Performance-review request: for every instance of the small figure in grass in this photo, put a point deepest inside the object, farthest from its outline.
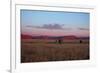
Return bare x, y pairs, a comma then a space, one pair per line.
80, 41
60, 41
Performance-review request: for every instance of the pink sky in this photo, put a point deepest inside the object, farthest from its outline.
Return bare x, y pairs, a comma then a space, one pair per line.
54, 32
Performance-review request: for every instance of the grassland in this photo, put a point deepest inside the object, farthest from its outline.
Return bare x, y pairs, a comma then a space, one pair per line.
36, 50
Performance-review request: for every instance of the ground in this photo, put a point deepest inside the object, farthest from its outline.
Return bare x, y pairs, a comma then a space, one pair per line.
41, 50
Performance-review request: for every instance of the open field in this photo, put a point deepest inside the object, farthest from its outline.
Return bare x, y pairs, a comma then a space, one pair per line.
40, 50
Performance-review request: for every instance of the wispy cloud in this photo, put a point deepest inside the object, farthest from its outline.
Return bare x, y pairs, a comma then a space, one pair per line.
83, 29
50, 26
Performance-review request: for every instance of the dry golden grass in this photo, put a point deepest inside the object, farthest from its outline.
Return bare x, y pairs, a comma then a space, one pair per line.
48, 50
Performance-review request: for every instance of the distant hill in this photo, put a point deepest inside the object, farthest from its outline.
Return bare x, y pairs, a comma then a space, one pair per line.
70, 37
23, 36
82, 37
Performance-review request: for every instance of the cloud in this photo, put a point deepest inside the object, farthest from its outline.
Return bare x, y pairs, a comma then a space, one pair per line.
83, 29
50, 26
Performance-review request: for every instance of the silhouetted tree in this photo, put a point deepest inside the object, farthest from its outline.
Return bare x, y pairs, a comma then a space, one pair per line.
60, 41
80, 41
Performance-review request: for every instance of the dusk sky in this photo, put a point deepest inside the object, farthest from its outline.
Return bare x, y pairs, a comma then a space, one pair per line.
54, 23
